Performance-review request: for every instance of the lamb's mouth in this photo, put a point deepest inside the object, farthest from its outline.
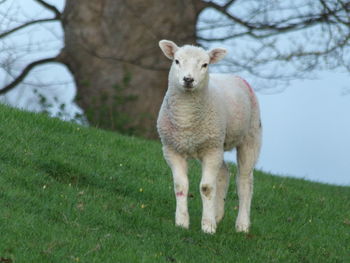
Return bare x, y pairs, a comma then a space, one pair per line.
188, 87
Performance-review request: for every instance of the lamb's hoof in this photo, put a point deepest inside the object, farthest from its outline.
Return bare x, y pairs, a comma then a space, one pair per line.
182, 225
208, 226
242, 227
182, 221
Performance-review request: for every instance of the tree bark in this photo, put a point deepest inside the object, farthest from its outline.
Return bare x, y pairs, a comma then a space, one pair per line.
111, 48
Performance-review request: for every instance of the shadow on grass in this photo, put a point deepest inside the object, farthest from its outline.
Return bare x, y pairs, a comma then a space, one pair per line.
65, 173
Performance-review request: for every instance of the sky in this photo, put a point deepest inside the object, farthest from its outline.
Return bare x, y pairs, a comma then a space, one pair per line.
309, 123
306, 126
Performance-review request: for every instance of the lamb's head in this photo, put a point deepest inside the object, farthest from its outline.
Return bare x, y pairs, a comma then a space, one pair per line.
190, 63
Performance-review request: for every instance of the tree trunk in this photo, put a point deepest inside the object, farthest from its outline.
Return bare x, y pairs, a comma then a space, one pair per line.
111, 48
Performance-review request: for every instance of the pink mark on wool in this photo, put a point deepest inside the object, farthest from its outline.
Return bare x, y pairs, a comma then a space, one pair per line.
249, 87
180, 193
251, 91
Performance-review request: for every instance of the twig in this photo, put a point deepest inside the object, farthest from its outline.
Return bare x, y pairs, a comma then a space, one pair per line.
25, 72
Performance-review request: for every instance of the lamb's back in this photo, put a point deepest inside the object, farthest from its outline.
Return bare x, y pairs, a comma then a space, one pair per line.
237, 104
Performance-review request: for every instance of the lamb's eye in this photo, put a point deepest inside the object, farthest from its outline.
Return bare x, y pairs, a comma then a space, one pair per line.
204, 65
177, 62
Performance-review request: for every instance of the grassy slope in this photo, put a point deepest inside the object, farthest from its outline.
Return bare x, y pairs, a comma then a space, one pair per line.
74, 194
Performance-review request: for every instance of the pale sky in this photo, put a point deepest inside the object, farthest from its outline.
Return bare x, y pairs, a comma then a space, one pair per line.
306, 127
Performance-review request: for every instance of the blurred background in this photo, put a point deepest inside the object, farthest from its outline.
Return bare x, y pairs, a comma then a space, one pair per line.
98, 63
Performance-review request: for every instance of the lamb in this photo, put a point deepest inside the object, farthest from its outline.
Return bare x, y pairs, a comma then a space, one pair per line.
203, 115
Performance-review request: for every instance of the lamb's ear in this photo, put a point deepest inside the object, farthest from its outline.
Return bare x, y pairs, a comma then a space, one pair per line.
168, 47
216, 54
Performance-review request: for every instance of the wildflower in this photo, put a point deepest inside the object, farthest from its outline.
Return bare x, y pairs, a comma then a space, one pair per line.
80, 206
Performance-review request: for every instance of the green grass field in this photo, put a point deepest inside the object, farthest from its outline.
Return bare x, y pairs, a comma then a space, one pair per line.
75, 194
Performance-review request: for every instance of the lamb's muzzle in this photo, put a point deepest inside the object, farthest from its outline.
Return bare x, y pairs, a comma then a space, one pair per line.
188, 82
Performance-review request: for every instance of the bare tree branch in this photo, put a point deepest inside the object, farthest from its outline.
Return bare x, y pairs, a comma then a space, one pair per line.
4, 34
51, 8
275, 27
333, 13
223, 10
228, 4
291, 37
25, 72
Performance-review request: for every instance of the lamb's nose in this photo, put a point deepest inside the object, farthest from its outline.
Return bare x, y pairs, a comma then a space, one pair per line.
188, 80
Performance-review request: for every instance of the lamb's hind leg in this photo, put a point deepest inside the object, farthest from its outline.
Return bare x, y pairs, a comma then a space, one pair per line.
222, 184
178, 165
247, 155
211, 164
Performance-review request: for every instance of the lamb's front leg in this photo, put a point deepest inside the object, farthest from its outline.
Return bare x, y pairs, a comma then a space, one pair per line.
178, 165
211, 163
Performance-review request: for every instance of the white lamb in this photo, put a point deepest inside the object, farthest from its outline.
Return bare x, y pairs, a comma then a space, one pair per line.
202, 116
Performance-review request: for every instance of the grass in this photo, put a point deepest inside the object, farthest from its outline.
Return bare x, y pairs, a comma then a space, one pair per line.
75, 194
